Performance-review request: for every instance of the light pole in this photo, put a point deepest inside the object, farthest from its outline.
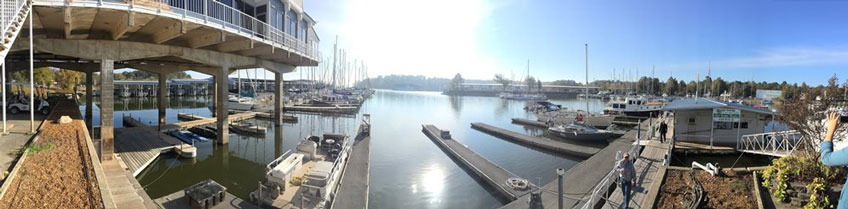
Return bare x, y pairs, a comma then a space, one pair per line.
560, 172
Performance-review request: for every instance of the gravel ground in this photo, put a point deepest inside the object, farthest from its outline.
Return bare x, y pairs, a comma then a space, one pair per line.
55, 176
730, 191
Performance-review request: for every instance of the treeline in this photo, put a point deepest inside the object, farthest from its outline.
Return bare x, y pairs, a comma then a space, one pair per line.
136, 75
66, 79
707, 87
411, 82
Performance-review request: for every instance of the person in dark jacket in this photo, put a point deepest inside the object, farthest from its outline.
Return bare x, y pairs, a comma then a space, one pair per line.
663, 130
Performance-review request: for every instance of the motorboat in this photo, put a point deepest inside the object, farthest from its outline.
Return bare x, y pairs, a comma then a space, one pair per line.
565, 116
309, 177
634, 106
240, 103
580, 132
188, 137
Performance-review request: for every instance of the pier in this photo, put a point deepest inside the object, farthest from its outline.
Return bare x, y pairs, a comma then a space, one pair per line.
200, 120
649, 176
353, 192
528, 122
139, 145
340, 109
561, 147
490, 172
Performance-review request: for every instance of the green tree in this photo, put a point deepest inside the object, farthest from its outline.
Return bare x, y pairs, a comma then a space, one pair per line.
67, 79
457, 81
718, 86
499, 78
671, 86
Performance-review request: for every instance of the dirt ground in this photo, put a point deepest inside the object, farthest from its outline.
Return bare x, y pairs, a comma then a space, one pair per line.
730, 191
53, 175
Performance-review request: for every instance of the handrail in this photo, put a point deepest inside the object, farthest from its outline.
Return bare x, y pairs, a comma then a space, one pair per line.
774, 143
225, 15
8, 11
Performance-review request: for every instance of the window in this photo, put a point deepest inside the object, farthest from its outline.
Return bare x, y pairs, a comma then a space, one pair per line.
691, 121
291, 23
623, 106
729, 125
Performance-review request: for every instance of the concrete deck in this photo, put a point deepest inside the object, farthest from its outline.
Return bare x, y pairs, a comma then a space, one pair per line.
561, 147
355, 180
124, 188
490, 172
527, 122
178, 200
649, 175
18, 127
582, 178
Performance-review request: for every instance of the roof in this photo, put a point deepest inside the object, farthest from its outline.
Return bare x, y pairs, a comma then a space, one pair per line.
704, 103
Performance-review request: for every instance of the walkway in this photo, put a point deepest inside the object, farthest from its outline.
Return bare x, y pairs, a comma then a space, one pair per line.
125, 190
649, 174
205, 121
490, 172
355, 180
559, 147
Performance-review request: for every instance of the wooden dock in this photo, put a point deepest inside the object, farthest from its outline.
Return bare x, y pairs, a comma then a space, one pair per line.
489, 172
560, 147
139, 145
341, 109
528, 122
200, 120
581, 178
353, 192
649, 176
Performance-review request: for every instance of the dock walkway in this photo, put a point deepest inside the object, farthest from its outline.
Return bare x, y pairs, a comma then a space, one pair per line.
529, 122
582, 178
139, 145
649, 174
490, 172
205, 121
548, 144
355, 180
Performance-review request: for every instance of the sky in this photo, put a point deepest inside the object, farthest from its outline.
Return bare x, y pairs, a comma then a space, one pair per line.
792, 40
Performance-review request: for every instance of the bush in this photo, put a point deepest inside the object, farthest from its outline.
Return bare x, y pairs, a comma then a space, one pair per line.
801, 168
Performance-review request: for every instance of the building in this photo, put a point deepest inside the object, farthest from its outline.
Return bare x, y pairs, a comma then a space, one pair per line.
768, 95
708, 121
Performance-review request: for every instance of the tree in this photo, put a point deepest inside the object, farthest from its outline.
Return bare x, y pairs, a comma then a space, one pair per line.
499, 78
530, 82
805, 112
681, 88
671, 86
456, 82
67, 79
539, 84
705, 85
718, 86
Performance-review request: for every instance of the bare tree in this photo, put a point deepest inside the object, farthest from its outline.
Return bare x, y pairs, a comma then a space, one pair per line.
805, 112
499, 78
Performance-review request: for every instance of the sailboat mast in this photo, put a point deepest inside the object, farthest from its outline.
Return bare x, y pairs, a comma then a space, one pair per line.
586, 94
335, 51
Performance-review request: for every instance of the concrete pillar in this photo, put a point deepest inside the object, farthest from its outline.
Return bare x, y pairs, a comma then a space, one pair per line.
278, 99
162, 100
221, 105
89, 102
215, 95
107, 88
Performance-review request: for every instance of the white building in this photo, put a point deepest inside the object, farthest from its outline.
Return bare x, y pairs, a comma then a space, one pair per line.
692, 119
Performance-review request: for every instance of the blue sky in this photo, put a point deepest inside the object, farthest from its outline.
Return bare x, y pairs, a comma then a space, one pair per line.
796, 41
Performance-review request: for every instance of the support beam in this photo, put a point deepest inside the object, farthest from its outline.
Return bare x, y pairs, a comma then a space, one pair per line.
3, 84
215, 95
207, 38
31, 82
125, 20
163, 101
107, 135
171, 31
221, 105
68, 19
89, 101
278, 99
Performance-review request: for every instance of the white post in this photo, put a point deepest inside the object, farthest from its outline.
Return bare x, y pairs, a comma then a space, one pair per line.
739, 128
712, 128
3, 83
31, 81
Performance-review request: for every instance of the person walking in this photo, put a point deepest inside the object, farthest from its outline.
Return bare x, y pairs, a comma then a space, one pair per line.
663, 130
835, 158
626, 174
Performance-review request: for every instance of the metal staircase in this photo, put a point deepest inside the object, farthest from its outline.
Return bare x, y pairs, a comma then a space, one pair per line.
13, 14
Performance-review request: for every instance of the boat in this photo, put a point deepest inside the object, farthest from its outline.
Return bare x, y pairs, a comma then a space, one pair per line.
188, 137
522, 96
125, 93
565, 116
580, 132
248, 128
240, 103
309, 177
634, 106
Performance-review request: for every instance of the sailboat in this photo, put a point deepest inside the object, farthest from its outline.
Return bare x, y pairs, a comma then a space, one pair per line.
578, 129
238, 102
525, 95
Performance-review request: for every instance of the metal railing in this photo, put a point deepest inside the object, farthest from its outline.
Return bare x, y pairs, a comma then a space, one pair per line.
9, 10
209, 12
780, 143
601, 188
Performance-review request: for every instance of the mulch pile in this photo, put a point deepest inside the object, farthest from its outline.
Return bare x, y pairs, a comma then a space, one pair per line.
54, 176
729, 191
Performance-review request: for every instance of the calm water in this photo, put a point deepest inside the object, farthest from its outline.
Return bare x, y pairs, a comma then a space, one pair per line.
407, 169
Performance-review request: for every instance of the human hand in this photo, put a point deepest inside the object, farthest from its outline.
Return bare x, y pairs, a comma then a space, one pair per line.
832, 124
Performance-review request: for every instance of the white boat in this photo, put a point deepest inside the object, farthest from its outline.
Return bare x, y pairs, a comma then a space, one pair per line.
566, 116
243, 103
248, 128
580, 132
634, 106
124, 93
307, 178
522, 96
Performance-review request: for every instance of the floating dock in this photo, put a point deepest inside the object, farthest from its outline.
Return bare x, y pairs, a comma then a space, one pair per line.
581, 178
139, 145
528, 122
340, 109
490, 172
547, 144
353, 192
200, 120
178, 200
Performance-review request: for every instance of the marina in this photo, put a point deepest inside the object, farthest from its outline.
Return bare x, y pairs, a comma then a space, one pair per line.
561, 147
